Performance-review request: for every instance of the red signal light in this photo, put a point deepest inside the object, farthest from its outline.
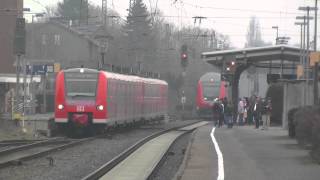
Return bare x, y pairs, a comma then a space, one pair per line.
184, 56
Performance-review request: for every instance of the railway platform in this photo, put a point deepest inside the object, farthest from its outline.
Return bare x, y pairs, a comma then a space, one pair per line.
145, 159
201, 159
247, 153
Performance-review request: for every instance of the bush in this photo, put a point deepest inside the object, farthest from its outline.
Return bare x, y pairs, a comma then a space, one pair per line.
315, 152
307, 129
303, 125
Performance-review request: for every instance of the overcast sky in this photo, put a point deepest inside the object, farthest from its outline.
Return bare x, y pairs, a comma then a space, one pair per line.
230, 17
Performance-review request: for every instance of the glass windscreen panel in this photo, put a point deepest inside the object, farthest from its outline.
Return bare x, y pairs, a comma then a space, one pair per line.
211, 90
81, 85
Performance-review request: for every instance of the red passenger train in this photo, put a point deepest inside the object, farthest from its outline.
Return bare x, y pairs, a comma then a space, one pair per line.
92, 99
210, 87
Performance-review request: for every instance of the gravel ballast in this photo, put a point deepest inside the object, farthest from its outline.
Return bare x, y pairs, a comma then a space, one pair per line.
77, 162
172, 161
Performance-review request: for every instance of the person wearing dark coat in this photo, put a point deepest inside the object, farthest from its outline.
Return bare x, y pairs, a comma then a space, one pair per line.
228, 112
216, 110
257, 111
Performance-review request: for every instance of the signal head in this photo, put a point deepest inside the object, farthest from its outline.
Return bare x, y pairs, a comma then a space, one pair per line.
184, 56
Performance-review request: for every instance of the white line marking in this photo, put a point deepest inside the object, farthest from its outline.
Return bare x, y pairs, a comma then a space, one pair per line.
220, 156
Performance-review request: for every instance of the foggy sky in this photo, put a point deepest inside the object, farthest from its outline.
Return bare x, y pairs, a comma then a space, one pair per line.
230, 17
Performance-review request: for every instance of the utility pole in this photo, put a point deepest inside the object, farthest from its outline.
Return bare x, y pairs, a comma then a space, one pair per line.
308, 50
17, 90
277, 28
308, 9
24, 65
303, 55
80, 13
315, 75
87, 17
302, 25
105, 12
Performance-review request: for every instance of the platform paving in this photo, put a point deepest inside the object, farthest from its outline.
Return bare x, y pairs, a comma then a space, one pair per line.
249, 154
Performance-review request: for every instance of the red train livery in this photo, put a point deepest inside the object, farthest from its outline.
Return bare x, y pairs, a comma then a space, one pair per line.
85, 97
209, 88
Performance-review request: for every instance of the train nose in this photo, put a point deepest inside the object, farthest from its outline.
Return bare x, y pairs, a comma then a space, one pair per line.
80, 119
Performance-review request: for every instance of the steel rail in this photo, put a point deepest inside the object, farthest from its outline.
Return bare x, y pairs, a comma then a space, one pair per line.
27, 146
67, 143
18, 142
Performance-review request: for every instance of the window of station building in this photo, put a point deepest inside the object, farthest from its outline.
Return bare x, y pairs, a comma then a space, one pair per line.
57, 39
44, 39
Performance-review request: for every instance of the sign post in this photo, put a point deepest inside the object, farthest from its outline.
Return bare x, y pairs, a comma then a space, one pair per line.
183, 101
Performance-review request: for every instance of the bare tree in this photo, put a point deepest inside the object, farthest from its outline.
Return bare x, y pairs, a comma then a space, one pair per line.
254, 38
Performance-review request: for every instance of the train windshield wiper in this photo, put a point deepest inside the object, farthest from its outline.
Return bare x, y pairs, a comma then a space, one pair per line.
81, 95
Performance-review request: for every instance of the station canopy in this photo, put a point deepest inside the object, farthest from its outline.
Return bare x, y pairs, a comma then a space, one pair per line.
279, 56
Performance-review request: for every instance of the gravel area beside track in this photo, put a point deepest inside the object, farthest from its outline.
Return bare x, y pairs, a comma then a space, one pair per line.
10, 131
76, 162
173, 160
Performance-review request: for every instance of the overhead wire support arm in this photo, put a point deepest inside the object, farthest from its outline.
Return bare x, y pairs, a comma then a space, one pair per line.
198, 18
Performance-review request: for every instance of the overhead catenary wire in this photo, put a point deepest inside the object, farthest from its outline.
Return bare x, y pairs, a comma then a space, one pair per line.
235, 9
216, 17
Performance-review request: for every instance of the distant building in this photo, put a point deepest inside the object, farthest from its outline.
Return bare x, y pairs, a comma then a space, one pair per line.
9, 10
55, 41
58, 43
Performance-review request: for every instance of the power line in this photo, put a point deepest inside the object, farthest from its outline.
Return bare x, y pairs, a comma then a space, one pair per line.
37, 2
216, 17
235, 9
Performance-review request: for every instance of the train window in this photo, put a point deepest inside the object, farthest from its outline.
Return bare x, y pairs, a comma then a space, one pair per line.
211, 91
81, 85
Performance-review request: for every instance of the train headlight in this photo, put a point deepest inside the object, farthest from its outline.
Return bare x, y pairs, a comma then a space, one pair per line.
60, 106
100, 107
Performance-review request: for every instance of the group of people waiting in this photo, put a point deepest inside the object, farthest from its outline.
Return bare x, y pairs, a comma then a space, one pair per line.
222, 112
250, 111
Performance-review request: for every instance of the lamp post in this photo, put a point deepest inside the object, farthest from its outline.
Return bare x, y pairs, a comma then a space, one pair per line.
277, 28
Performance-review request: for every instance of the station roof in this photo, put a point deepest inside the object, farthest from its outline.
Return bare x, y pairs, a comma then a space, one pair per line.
259, 56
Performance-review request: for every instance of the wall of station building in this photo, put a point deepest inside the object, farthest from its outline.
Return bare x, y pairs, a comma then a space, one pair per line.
294, 96
8, 23
253, 84
256, 83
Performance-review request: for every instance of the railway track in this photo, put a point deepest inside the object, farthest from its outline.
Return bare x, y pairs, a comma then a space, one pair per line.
17, 155
141, 159
11, 143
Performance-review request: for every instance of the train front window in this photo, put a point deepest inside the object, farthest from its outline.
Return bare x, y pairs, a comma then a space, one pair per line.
210, 92
81, 85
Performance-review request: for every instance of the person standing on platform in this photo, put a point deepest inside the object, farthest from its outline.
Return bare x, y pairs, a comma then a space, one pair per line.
257, 112
216, 111
224, 103
240, 112
251, 103
266, 119
221, 115
228, 110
